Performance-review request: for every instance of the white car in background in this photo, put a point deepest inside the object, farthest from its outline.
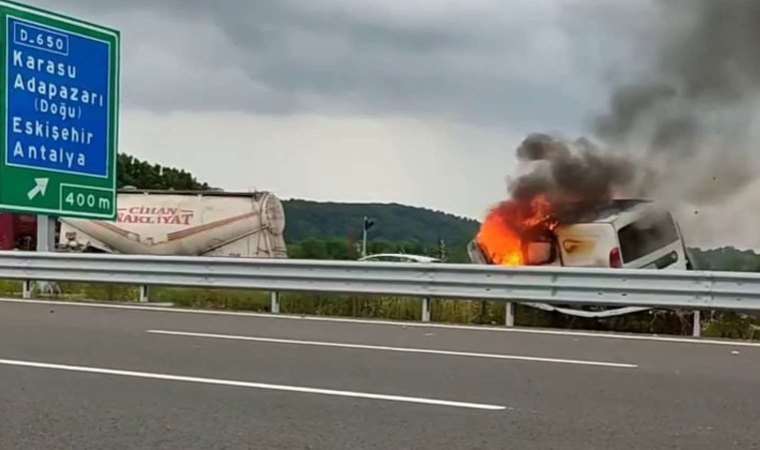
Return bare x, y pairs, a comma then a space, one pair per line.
399, 257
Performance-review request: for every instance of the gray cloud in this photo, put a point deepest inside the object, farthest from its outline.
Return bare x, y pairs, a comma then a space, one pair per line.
482, 63
686, 105
692, 113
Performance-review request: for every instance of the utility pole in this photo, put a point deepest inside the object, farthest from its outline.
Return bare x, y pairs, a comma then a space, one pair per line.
367, 225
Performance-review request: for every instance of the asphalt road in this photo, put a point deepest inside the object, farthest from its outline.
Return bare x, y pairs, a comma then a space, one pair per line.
116, 378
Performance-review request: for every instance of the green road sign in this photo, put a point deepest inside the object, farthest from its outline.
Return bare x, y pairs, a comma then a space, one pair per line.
60, 106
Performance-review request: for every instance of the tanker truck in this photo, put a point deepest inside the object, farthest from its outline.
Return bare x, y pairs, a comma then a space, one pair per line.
179, 223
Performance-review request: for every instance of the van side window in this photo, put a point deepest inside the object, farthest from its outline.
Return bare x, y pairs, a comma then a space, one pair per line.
540, 247
646, 236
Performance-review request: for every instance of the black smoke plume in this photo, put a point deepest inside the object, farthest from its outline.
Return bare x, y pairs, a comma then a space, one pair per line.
686, 132
692, 118
575, 177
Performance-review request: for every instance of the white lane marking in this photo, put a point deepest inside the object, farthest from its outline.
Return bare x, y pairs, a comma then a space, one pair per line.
629, 337
394, 349
247, 384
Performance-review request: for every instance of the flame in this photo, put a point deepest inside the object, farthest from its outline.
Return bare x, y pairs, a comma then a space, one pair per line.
500, 242
541, 214
502, 234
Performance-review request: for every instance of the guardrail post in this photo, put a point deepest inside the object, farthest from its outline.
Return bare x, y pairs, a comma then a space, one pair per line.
274, 301
426, 309
144, 293
509, 314
697, 325
26, 289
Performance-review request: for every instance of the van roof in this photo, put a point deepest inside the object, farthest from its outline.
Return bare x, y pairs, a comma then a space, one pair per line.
620, 207
614, 211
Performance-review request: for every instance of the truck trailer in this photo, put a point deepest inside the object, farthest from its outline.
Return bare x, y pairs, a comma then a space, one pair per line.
169, 223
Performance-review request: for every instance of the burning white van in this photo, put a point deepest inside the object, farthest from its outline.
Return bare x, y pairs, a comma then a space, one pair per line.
626, 233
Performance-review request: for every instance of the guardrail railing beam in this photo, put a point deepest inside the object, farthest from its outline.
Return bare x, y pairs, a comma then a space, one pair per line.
688, 290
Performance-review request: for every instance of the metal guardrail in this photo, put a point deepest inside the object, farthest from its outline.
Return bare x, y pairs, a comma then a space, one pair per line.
619, 287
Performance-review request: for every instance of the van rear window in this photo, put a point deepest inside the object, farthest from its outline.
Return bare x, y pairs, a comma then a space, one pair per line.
646, 236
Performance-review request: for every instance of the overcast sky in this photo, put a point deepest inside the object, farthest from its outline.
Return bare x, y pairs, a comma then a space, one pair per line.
419, 103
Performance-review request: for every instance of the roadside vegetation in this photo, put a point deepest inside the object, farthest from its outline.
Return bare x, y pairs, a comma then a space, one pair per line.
720, 325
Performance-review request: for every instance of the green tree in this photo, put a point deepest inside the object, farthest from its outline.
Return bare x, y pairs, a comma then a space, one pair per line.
143, 175
314, 249
338, 249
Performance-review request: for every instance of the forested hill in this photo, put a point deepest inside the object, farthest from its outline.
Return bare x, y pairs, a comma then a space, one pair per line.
392, 222
726, 258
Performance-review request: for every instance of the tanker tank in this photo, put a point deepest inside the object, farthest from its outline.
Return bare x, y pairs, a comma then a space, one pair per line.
184, 223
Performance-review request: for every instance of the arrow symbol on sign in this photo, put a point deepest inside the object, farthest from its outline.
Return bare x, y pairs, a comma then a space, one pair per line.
39, 188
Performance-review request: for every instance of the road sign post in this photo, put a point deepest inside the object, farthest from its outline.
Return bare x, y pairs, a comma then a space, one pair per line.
46, 243
59, 127
45, 233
